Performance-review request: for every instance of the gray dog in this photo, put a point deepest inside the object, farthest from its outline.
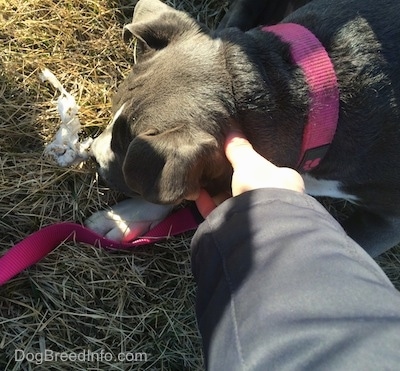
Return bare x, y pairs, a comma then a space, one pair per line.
191, 86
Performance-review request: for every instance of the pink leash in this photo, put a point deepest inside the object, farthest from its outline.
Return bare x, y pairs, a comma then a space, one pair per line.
37, 245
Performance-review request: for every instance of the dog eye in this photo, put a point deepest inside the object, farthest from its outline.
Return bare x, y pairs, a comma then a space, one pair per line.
151, 132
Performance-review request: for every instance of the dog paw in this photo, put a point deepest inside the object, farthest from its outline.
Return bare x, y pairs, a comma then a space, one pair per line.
130, 218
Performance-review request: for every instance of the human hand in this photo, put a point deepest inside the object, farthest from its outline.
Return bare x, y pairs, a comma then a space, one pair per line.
250, 171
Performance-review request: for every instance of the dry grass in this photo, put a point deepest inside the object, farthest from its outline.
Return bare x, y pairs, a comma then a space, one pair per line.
80, 298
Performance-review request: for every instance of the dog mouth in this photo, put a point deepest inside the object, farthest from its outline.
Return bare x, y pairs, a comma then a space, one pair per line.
111, 180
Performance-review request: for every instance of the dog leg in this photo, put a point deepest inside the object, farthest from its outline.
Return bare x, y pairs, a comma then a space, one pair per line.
133, 217
246, 14
376, 234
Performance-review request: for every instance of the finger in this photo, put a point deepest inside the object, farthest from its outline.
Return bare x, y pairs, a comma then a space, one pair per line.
238, 149
205, 203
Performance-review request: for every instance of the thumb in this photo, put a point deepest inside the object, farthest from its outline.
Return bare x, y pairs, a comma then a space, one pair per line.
205, 203
242, 155
238, 149
252, 171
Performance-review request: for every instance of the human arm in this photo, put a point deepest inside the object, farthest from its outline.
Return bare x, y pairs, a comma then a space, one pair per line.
281, 286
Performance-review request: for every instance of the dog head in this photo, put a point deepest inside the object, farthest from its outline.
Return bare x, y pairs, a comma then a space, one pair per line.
171, 113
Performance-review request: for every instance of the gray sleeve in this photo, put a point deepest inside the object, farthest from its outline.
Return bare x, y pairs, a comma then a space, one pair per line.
281, 287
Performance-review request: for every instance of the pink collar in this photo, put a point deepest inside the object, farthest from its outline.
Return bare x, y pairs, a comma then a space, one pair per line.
310, 55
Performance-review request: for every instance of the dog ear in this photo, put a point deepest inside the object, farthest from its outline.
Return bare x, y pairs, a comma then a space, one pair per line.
155, 25
168, 167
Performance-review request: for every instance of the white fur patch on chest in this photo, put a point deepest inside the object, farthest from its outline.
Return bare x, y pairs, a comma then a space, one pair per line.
101, 146
329, 188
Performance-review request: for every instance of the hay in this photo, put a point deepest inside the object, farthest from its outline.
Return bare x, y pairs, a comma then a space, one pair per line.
79, 298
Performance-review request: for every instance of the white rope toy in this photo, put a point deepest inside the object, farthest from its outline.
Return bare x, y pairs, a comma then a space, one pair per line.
65, 149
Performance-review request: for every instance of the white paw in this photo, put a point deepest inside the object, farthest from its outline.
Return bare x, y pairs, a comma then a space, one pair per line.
132, 217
